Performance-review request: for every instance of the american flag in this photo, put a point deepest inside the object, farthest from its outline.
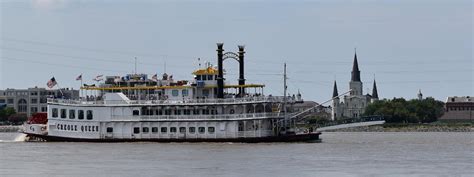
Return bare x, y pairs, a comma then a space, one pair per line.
51, 83
79, 78
98, 78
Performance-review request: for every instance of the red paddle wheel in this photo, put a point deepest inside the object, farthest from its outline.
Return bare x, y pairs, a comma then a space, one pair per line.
38, 118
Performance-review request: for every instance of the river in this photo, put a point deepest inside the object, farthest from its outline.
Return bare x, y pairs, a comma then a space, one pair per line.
339, 154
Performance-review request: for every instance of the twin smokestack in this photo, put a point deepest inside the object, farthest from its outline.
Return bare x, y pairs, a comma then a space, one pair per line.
221, 56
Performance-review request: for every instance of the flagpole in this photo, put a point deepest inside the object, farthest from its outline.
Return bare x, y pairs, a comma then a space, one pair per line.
60, 89
80, 88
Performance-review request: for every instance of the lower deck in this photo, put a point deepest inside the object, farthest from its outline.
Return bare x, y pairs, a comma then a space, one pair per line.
308, 137
162, 129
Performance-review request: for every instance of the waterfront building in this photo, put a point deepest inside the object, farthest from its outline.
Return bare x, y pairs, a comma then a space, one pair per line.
458, 108
354, 104
32, 100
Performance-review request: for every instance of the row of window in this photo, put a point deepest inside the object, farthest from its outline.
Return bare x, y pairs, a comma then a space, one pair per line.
33, 101
164, 130
177, 112
72, 114
184, 93
35, 109
206, 77
460, 108
74, 128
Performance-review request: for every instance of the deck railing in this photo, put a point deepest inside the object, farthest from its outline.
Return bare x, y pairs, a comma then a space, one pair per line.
175, 102
200, 117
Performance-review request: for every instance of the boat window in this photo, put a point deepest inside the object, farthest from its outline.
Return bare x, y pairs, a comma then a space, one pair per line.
192, 129
145, 129
204, 77
63, 113
198, 77
68, 127
215, 77
75, 127
201, 130
175, 93
110, 129
54, 112
89, 115
185, 92
209, 77
182, 129
210, 129
80, 114
93, 128
164, 129
173, 129
136, 112
96, 128
136, 130
72, 114
154, 129
82, 128
90, 128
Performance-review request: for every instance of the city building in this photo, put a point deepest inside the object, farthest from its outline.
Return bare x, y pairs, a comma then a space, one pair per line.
354, 104
458, 108
33, 100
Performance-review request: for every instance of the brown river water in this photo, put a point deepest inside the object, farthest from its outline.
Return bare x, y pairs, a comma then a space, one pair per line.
339, 154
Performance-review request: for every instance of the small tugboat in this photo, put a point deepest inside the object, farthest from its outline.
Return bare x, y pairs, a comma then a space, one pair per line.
205, 109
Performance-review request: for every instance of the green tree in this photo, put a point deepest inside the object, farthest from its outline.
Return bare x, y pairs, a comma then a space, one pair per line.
5, 113
399, 110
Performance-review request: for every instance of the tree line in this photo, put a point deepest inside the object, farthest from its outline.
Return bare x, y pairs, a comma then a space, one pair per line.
8, 116
399, 110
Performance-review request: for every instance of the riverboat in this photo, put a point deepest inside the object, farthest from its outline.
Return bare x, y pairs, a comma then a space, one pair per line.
205, 109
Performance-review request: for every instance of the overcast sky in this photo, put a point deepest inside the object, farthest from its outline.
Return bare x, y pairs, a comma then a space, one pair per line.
405, 45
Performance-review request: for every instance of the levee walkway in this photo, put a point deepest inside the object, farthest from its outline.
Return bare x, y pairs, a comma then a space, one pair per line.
349, 125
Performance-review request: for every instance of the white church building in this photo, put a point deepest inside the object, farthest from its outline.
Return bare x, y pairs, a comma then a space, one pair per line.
354, 104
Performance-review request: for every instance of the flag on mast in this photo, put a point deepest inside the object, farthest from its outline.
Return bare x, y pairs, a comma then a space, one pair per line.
98, 78
51, 83
79, 78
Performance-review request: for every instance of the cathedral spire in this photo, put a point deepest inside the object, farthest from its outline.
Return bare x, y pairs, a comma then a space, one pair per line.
375, 94
355, 69
334, 92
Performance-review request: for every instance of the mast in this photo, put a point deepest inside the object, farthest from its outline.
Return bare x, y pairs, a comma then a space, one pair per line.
285, 87
135, 65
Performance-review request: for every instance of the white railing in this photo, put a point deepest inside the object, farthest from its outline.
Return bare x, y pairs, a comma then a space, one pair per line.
201, 117
182, 102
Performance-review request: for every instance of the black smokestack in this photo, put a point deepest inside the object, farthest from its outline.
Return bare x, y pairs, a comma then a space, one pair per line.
220, 76
241, 70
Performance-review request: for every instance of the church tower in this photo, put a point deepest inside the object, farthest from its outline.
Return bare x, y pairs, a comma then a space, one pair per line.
355, 84
375, 94
335, 102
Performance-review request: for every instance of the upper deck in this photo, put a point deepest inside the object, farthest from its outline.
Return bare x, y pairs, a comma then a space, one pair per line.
183, 102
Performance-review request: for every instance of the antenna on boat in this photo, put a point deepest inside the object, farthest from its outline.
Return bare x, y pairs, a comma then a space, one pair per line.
285, 87
135, 65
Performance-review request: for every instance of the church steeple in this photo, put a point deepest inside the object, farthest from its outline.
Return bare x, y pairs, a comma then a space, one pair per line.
355, 69
334, 92
375, 94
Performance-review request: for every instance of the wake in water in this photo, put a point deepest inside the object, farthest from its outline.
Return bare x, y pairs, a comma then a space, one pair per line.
20, 138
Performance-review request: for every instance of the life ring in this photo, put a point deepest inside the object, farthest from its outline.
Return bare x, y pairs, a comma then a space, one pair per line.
43, 128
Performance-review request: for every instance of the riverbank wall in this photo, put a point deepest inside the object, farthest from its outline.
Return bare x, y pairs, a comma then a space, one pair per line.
409, 128
11, 128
